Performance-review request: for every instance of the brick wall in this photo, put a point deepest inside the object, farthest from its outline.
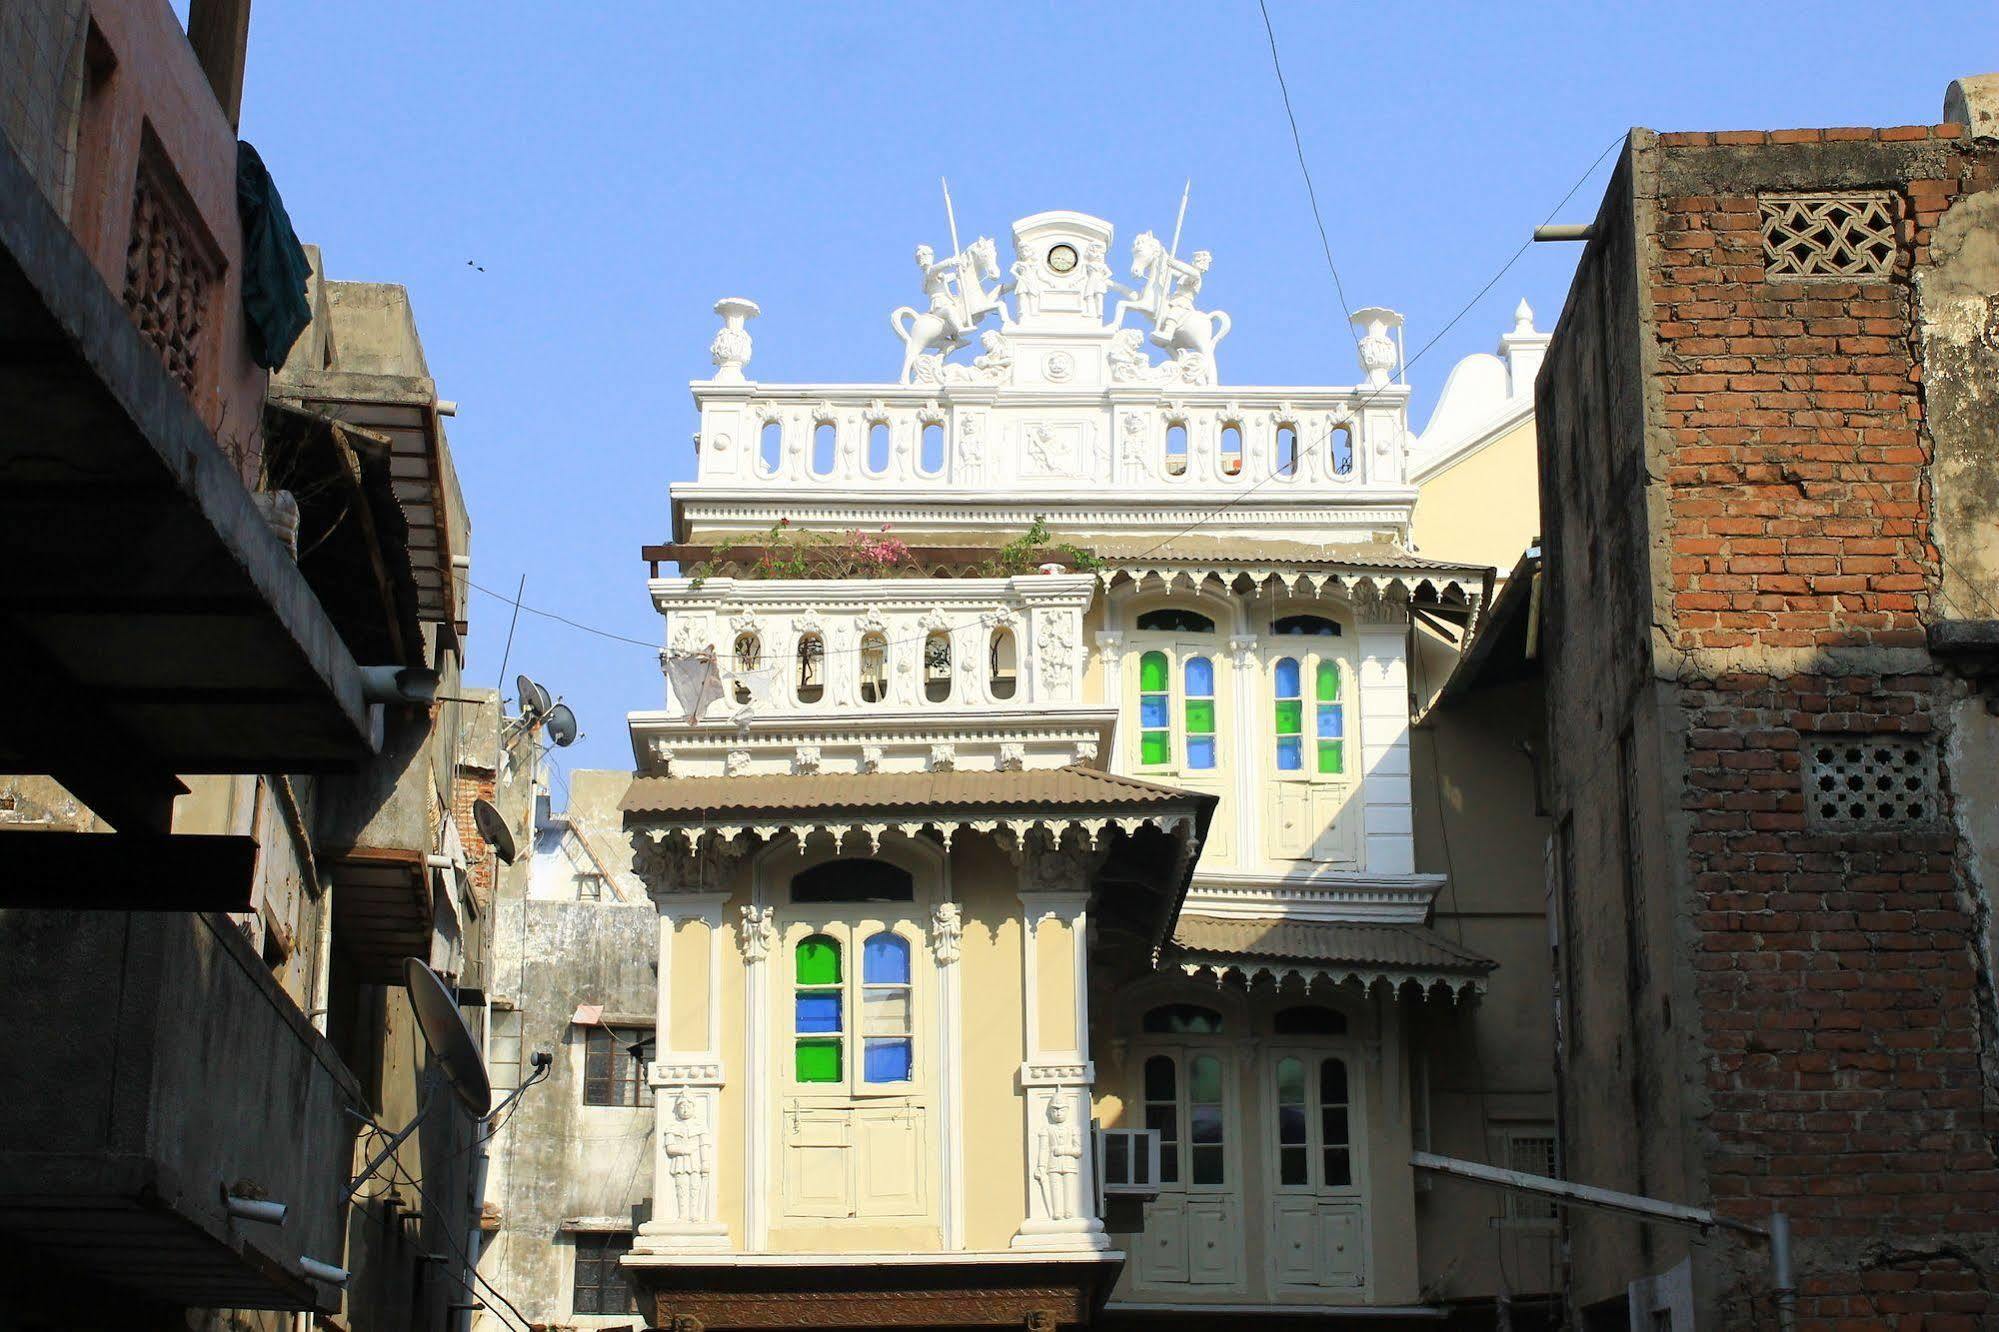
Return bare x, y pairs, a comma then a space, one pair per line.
1832, 1061
474, 784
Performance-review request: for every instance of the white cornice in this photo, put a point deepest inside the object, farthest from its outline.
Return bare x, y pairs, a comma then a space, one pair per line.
1049, 737
1397, 898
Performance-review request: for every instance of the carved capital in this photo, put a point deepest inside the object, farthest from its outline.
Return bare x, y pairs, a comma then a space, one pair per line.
946, 929
1242, 650
756, 933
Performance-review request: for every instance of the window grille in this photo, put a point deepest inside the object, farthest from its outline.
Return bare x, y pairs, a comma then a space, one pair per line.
614, 1066
1534, 1154
601, 1286
1828, 236
1862, 782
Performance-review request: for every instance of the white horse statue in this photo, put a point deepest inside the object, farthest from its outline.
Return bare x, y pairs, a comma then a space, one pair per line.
958, 297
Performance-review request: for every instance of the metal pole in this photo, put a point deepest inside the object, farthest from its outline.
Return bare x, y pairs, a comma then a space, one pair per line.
1781, 1279
951, 217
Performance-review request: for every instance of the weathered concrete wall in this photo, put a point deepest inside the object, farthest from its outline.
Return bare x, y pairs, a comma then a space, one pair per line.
557, 1159
1795, 1006
41, 67
1487, 1065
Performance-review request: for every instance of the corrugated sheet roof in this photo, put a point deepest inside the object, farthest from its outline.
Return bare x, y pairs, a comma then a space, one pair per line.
1400, 947
1070, 788
1209, 549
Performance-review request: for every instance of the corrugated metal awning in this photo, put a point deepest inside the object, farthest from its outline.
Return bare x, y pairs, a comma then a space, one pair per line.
1330, 952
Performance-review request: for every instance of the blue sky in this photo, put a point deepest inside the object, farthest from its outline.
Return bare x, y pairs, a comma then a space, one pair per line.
616, 169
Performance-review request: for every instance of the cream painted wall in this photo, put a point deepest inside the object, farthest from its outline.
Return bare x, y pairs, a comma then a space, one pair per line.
1484, 508
992, 1032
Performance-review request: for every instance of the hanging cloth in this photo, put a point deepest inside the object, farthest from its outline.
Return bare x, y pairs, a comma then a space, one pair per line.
695, 680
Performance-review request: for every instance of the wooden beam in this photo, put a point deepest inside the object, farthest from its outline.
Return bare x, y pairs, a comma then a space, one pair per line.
219, 32
45, 869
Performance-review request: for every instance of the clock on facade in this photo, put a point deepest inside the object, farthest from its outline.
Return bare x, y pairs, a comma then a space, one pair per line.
1062, 258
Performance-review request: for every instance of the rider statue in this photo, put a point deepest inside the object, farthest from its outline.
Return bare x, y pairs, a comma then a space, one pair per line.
957, 299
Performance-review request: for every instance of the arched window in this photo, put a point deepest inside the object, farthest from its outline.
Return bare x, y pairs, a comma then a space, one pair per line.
874, 668
1176, 448
1155, 711
1162, 1113
937, 666
770, 446
1330, 728
1174, 620
1328, 714
1307, 625
749, 656
1289, 724
1231, 456
825, 447
1313, 1149
1339, 448
1287, 449
1182, 1020
887, 1013
853, 880
1207, 1147
1198, 680
1333, 1143
1002, 663
811, 668
1309, 1020
878, 447
931, 461
818, 1011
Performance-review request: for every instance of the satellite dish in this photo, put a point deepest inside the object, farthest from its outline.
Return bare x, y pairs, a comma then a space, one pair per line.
561, 725
494, 830
450, 1040
534, 700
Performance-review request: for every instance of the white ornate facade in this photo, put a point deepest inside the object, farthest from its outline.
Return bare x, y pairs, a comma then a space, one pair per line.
1222, 605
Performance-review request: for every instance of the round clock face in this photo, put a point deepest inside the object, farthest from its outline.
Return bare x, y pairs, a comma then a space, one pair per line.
1062, 258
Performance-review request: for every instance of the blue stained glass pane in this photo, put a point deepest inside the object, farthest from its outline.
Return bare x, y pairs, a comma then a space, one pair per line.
1331, 723
885, 960
1287, 677
1152, 710
886, 1061
1200, 751
1290, 753
1200, 677
818, 1012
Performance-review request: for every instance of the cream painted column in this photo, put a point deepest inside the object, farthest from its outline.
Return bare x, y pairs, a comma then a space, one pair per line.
946, 931
1387, 824
1251, 715
1057, 1076
686, 1073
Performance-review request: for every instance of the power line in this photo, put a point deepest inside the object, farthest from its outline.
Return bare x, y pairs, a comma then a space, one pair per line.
1208, 516
1311, 194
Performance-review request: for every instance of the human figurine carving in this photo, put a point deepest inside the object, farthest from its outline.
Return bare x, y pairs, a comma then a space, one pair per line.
689, 1161
1058, 1162
958, 301
1096, 279
1166, 295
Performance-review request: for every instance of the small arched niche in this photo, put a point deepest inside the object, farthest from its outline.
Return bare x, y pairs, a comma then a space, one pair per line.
937, 666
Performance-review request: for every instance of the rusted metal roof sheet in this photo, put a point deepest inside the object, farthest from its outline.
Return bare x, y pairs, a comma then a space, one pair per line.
1070, 788
1208, 550
1330, 951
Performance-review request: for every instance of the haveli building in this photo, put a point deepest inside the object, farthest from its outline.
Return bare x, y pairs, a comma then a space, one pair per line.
1039, 756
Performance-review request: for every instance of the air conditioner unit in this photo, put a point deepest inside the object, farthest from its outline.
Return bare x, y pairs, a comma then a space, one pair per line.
1128, 1162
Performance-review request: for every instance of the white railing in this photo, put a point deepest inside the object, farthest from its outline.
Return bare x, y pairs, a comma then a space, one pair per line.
868, 437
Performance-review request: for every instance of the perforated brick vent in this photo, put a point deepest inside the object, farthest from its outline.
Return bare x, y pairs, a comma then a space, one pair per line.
1828, 235
1864, 781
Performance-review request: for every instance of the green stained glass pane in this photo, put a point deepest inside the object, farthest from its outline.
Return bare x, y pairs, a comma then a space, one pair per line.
1329, 681
1152, 672
818, 961
1291, 1081
1200, 716
1154, 747
1290, 716
819, 1061
1332, 756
